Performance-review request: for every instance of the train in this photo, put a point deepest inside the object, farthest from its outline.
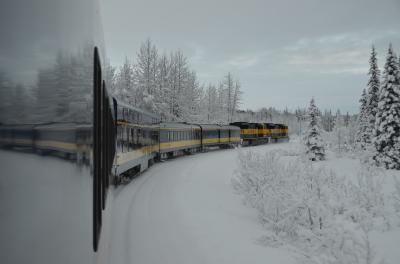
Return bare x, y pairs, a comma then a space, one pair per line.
66, 145
133, 138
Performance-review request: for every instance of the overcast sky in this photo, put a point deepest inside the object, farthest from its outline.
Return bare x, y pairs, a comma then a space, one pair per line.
283, 52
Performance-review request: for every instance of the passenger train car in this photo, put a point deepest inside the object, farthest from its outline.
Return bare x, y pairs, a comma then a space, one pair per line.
179, 138
141, 139
64, 141
137, 137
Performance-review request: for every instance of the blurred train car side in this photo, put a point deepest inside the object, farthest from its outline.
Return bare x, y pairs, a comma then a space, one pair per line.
137, 138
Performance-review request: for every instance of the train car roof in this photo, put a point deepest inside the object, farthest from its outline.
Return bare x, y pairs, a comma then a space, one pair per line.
270, 125
209, 126
230, 127
13, 126
178, 125
242, 124
125, 105
257, 124
239, 123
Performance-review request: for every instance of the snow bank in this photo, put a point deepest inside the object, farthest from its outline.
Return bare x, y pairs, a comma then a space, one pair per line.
336, 211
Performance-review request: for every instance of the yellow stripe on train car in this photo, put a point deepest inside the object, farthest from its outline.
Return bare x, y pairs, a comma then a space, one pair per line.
210, 140
123, 157
17, 141
123, 123
224, 140
179, 144
56, 144
249, 131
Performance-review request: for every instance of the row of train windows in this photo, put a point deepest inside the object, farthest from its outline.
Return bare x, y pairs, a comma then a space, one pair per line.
136, 117
211, 133
183, 135
134, 138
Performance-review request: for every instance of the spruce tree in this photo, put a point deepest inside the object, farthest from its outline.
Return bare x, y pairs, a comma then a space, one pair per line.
362, 122
314, 143
387, 125
372, 98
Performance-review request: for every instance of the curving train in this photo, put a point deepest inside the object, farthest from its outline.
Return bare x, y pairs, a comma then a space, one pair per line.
130, 139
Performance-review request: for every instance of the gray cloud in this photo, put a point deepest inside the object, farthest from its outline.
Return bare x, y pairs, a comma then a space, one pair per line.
283, 52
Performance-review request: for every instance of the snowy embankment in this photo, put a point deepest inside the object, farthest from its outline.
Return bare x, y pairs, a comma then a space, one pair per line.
186, 211
334, 211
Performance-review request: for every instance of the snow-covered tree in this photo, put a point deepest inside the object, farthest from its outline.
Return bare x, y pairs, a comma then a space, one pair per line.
300, 205
237, 96
125, 89
190, 99
327, 121
362, 122
339, 132
146, 70
387, 124
346, 120
313, 140
167, 86
163, 92
372, 98
110, 76
210, 103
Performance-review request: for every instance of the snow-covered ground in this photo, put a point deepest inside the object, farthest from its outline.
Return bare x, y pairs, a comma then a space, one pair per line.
185, 210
